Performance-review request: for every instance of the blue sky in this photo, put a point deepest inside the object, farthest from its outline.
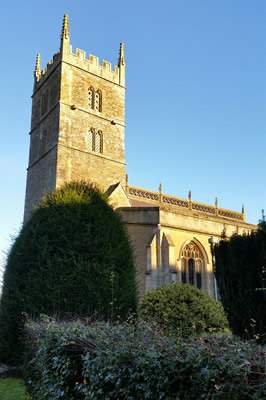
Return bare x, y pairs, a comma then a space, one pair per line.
195, 101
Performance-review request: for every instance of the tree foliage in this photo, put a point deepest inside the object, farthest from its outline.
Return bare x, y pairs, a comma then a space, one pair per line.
182, 310
241, 278
73, 257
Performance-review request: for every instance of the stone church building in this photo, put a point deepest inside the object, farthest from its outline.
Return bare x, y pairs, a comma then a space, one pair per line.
78, 133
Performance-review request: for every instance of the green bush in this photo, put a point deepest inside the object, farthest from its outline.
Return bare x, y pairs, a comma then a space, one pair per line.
124, 362
182, 310
241, 278
72, 258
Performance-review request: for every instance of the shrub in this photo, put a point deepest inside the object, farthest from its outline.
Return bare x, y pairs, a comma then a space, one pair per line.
182, 310
73, 257
125, 362
241, 278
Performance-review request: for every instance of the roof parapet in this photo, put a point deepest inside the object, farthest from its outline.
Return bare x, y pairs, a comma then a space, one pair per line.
177, 203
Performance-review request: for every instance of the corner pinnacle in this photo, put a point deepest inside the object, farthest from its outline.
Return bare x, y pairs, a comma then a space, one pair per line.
121, 60
37, 71
65, 28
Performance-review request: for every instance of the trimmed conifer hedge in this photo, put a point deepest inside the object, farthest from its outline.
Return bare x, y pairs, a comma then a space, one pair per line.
73, 257
241, 278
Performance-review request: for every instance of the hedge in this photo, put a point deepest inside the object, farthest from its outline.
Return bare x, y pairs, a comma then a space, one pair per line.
72, 258
72, 361
241, 278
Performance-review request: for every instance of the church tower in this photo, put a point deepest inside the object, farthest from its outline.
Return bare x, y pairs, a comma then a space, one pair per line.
78, 122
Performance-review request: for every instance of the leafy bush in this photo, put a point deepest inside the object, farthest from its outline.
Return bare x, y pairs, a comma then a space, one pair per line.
126, 362
241, 278
73, 257
182, 310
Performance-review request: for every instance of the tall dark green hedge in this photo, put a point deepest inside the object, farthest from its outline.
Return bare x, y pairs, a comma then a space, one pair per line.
72, 258
241, 278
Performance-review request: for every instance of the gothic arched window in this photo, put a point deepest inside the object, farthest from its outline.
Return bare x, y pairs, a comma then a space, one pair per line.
91, 140
91, 98
191, 265
95, 140
94, 99
98, 142
98, 101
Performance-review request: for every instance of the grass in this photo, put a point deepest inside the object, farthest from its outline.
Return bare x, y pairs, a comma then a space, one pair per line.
12, 389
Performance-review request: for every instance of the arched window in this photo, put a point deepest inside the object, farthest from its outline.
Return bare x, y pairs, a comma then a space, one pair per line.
91, 98
98, 142
191, 265
91, 140
94, 99
95, 140
98, 101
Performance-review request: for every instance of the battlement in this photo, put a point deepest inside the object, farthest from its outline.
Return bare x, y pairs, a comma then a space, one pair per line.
79, 60
187, 205
91, 64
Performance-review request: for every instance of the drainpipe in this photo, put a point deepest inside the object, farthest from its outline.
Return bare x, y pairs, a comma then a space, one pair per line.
212, 240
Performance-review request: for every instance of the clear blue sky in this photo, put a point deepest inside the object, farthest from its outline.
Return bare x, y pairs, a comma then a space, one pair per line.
195, 103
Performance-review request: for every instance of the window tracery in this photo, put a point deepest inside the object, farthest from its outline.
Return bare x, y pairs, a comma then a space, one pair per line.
191, 265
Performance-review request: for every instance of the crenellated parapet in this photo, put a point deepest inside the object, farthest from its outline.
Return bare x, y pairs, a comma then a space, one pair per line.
91, 64
40, 75
80, 60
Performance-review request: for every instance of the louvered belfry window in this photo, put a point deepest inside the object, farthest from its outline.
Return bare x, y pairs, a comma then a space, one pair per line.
98, 142
95, 141
91, 98
90, 140
94, 99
